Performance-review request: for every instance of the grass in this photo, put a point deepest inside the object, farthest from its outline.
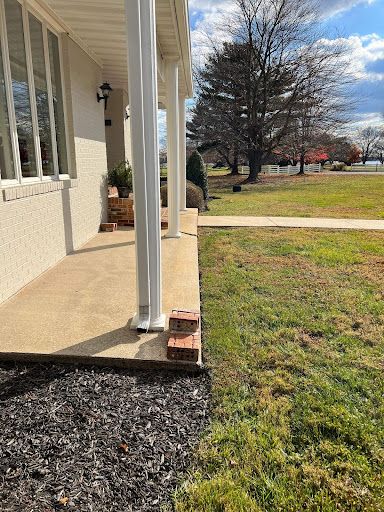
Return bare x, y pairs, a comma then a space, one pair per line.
309, 196
294, 336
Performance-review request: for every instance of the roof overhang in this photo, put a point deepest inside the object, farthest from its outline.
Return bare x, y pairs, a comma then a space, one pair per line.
99, 28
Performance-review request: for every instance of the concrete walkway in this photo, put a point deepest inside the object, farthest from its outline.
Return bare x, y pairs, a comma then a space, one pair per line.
289, 222
80, 310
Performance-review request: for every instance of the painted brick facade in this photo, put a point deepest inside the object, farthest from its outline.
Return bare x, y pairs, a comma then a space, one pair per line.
116, 128
36, 231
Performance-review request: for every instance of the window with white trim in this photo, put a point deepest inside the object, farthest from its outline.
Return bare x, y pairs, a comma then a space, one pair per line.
32, 122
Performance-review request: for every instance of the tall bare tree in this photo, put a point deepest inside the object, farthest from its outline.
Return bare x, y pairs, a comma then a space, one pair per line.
276, 69
380, 143
368, 139
325, 108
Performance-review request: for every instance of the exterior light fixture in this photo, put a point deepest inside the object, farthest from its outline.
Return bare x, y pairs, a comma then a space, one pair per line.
105, 89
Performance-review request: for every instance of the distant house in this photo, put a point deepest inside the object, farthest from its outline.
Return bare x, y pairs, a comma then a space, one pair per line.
58, 61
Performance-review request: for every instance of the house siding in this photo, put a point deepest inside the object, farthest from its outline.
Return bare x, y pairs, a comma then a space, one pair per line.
118, 134
39, 230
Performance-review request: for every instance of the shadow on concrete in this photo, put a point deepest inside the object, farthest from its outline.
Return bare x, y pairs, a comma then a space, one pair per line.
93, 346
29, 379
101, 248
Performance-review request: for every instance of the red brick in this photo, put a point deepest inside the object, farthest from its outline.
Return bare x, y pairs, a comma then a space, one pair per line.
108, 226
184, 321
184, 347
122, 209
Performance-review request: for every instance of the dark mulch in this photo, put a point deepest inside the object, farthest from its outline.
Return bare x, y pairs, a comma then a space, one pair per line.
108, 440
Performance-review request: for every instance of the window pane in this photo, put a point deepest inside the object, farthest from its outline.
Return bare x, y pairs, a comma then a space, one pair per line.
13, 15
40, 79
7, 169
58, 102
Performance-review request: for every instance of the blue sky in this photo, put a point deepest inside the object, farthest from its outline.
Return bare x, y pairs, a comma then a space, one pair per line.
359, 22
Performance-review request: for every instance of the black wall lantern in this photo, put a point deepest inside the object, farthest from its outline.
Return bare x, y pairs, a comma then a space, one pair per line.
105, 90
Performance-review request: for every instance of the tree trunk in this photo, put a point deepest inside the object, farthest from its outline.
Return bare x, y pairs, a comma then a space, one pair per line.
235, 161
255, 160
235, 165
302, 165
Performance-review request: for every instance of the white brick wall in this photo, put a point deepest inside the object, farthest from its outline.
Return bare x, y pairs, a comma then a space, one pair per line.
118, 135
127, 132
115, 133
37, 231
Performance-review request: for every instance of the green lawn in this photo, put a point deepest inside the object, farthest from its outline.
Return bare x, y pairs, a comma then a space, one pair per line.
294, 336
310, 196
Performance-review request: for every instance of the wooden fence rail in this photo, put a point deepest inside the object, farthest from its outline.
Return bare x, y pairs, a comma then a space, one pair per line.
289, 169
367, 168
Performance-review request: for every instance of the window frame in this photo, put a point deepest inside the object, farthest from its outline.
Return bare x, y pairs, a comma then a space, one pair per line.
28, 10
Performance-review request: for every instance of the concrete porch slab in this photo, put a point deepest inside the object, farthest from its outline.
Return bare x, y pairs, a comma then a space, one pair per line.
80, 310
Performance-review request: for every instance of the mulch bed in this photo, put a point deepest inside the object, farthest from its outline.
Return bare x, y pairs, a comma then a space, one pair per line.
93, 439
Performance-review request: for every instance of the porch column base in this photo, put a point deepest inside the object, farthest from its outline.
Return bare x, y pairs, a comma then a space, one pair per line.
154, 326
170, 235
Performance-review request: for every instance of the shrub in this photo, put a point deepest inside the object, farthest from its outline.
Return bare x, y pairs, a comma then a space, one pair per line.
197, 173
195, 196
120, 175
338, 167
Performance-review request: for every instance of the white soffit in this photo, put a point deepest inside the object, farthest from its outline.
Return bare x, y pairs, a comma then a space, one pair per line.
100, 25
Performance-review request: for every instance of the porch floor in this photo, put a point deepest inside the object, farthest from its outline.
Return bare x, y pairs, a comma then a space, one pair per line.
81, 309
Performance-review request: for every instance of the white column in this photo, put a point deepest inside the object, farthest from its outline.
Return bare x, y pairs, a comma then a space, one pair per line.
172, 101
182, 153
142, 87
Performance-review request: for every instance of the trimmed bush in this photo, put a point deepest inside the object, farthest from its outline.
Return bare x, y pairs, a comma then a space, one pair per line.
338, 167
197, 173
195, 196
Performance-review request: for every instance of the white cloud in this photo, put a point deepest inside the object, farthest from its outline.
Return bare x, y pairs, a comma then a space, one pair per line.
362, 52
370, 119
332, 7
214, 16
364, 120
327, 7
162, 127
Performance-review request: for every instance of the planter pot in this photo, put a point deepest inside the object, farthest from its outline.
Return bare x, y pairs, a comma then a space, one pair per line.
123, 192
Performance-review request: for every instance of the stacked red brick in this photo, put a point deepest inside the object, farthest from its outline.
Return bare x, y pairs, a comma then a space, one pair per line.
185, 339
120, 211
108, 226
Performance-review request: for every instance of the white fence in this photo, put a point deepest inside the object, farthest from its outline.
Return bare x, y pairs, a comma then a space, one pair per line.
367, 168
289, 169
